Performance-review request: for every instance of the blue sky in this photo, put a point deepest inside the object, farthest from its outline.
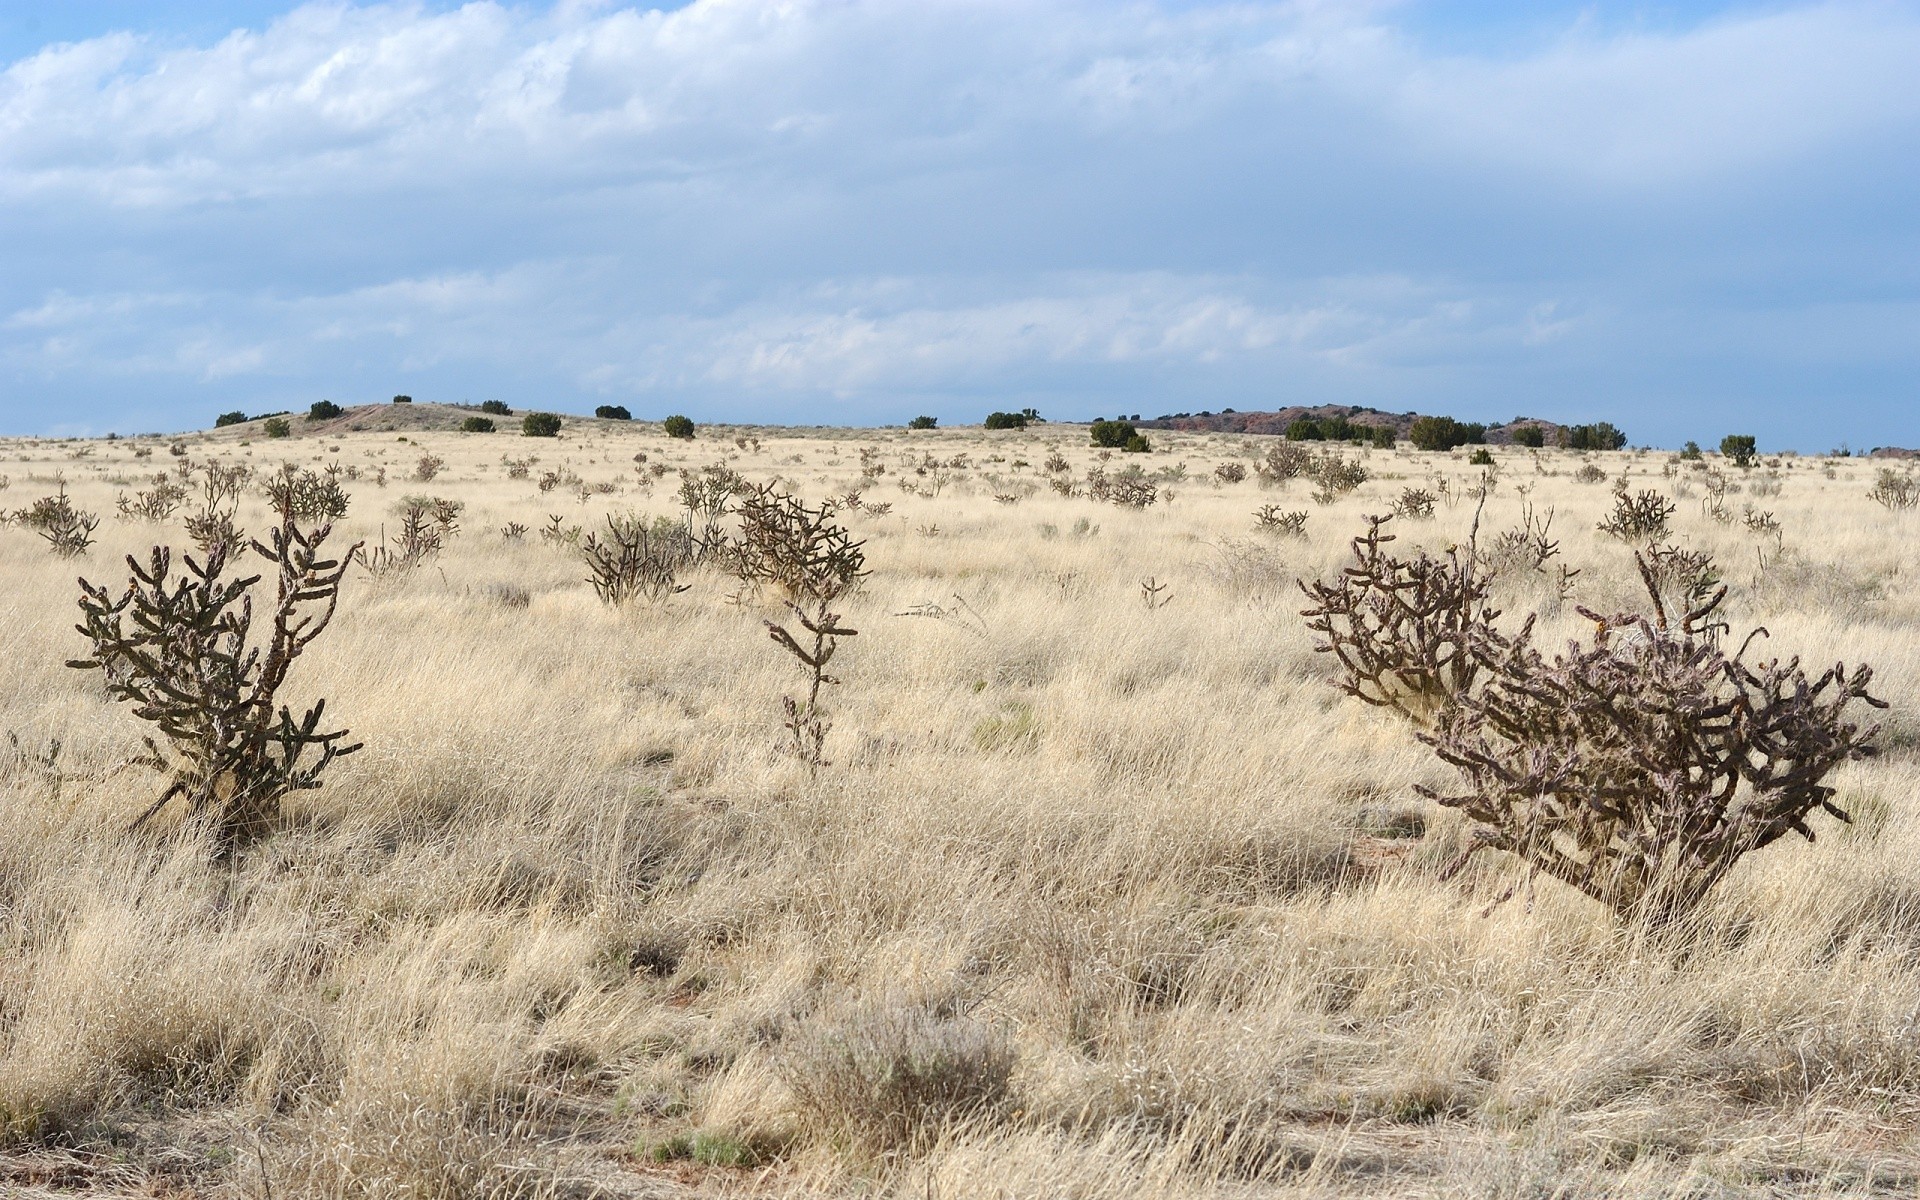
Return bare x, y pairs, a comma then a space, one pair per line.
1687, 219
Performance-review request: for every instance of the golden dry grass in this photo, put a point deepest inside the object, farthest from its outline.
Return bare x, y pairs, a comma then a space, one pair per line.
570, 905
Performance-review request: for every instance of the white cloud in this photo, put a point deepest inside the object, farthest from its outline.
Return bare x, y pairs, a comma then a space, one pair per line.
764, 204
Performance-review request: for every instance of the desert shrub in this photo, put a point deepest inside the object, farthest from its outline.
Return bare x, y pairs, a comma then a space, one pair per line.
1739, 449
1129, 488
813, 559
1137, 445
155, 504
637, 560
1283, 461
801, 549
324, 410
210, 526
1006, 420
1230, 472
1894, 490
1530, 435
1335, 475
427, 524
923, 422
1638, 518
495, 408
1269, 518
428, 466
1443, 433
677, 426
613, 412
1482, 457
181, 650
707, 496
1589, 473
1112, 435
1408, 634
229, 418
1414, 504
403, 399
893, 1080
540, 424
68, 530
276, 427
1641, 768
1691, 452
476, 425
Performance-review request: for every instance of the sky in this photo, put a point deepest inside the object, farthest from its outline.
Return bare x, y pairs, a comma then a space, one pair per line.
1688, 219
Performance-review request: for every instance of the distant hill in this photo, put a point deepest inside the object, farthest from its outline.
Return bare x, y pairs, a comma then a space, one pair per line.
395, 418
1277, 420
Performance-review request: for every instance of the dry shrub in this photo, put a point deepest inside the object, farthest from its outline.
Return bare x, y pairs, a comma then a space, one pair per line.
1895, 490
1283, 461
638, 560
893, 1079
1641, 768
180, 650
799, 548
1638, 518
1408, 633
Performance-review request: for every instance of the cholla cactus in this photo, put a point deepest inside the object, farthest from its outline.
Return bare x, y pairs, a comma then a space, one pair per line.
1639, 769
180, 649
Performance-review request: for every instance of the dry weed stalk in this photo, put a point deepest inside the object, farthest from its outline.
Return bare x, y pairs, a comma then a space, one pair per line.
179, 648
1641, 768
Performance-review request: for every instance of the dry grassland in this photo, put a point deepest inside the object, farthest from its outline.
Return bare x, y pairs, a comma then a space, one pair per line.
1131, 889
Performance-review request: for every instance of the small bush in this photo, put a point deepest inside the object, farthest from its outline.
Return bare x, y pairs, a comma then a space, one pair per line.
923, 422
1531, 436
1283, 461
495, 408
1112, 435
1640, 769
324, 410
1414, 504
1006, 420
1639, 518
67, 530
477, 425
1589, 473
1894, 491
233, 752
1691, 453
428, 467
1739, 449
1409, 634
894, 1080
276, 427
1230, 472
678, 426
1136, 445
540, 424
403, 399
1269, 518
613, 412
225, 419
637, 560
1482, 457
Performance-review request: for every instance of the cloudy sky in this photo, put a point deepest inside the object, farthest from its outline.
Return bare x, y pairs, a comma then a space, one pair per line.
1688, 219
